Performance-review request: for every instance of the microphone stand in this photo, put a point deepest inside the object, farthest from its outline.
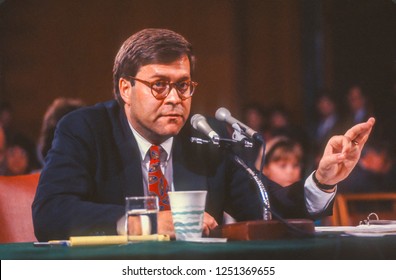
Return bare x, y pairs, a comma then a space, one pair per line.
227, 144
264, 229
267, 216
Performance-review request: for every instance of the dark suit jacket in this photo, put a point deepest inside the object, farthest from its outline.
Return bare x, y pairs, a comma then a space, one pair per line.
94, 164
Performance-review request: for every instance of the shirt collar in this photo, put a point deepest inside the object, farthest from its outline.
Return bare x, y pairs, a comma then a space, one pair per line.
145, 145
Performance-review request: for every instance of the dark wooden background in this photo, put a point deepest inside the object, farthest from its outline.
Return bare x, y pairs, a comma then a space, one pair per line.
248, 51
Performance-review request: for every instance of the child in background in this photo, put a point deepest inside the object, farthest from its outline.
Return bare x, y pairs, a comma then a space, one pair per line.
283, 161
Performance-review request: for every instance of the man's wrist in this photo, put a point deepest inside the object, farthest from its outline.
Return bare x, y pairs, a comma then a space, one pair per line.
322, 186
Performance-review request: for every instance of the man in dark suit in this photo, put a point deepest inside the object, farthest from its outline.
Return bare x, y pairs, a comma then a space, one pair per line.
100, 154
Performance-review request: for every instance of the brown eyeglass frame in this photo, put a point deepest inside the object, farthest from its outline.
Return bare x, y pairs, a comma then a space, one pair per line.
193, 85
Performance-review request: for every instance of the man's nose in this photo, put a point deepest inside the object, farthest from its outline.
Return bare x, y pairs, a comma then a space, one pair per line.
173, 96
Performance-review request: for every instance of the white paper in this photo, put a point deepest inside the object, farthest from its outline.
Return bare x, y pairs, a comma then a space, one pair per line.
360, 230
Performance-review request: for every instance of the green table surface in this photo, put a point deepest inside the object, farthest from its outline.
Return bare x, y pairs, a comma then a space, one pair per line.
321, 248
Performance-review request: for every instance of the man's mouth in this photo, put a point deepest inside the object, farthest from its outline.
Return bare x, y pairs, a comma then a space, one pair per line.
173, 115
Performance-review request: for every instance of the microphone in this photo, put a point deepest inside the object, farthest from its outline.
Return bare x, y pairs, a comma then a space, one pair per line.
199, 123
222, 114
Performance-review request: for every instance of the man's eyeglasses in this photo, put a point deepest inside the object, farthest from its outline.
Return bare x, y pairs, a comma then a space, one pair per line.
161, 88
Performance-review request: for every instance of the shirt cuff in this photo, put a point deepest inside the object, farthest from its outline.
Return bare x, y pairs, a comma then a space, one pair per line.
143, 225
316, 200
121, 226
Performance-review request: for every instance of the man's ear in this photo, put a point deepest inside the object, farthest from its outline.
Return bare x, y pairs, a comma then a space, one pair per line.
125, 88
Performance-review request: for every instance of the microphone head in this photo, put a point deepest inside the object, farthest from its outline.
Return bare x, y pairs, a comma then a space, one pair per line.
222, 114
195, 119
199, 123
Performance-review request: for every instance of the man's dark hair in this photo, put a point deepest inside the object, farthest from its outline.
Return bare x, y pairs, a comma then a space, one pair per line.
147, 47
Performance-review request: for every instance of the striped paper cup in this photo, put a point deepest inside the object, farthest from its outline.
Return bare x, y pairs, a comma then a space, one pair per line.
187, 212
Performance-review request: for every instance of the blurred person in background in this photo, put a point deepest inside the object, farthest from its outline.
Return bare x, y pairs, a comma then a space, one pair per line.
55, 112
3, 148
280, 123
358, 105
255, 118
6, 114
20, 156
329, 122
374, 171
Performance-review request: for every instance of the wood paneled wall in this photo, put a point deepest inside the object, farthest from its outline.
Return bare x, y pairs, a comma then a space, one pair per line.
248, 51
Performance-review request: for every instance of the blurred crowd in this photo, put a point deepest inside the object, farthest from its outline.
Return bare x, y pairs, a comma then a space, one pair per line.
20, 154
291, 152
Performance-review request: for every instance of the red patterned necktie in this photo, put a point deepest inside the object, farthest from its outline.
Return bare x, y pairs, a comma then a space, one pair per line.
157, 183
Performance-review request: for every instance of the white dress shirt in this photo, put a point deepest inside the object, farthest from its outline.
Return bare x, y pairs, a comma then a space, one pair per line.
165, 159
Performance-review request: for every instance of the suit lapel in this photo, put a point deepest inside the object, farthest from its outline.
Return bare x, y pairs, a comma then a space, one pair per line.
185, 177
130, 156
